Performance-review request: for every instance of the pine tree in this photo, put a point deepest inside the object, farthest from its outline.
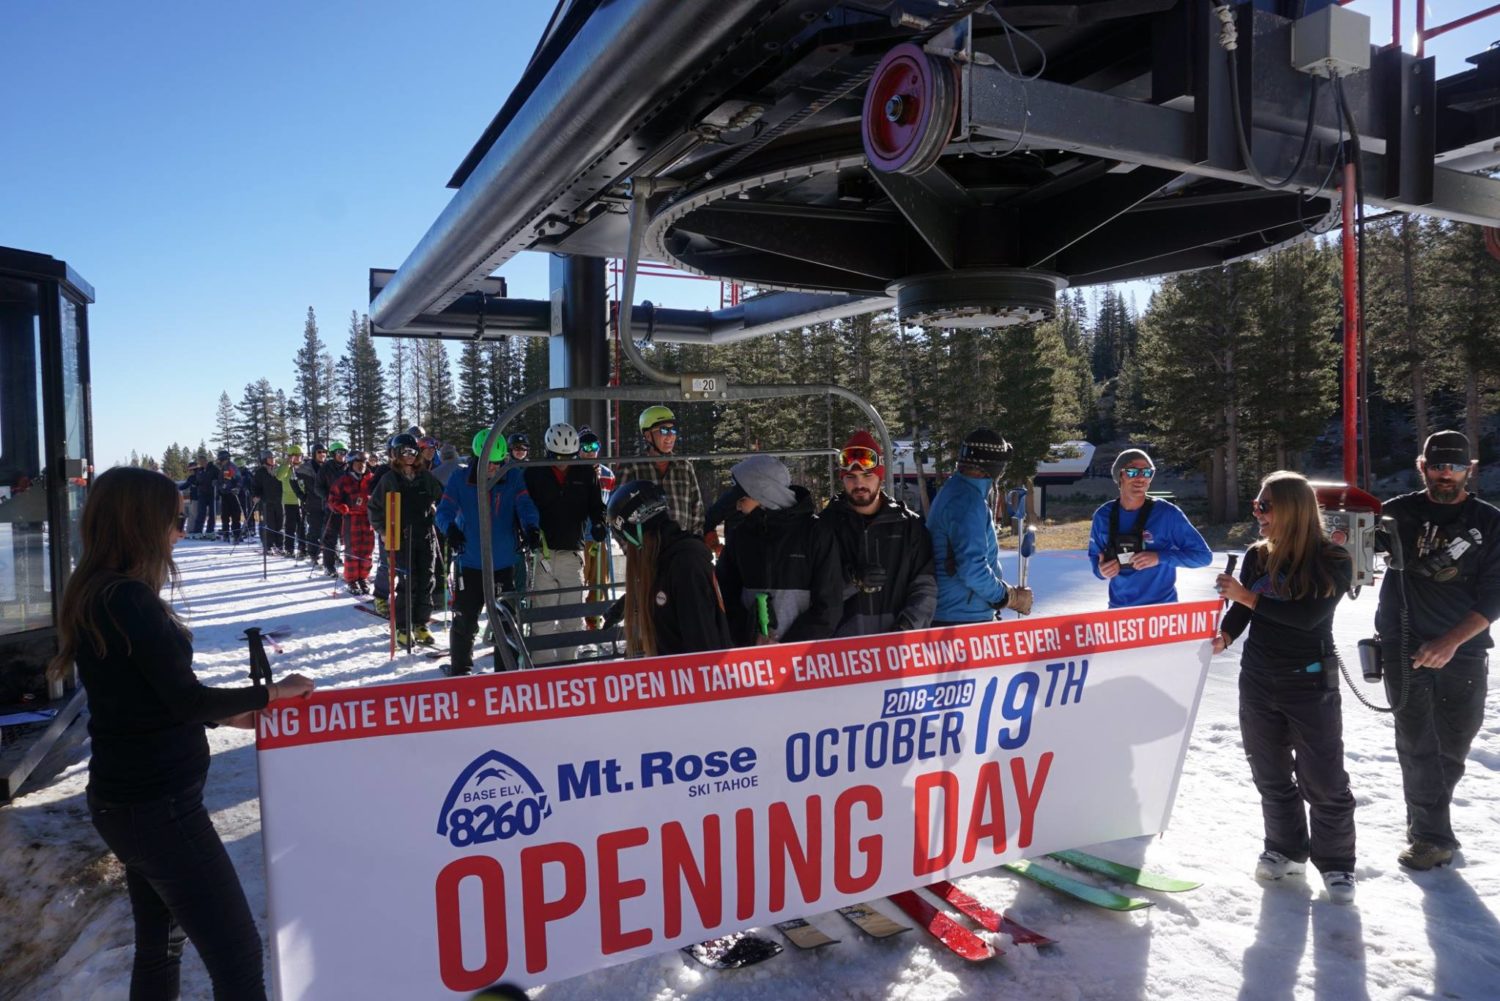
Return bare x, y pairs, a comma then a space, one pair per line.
363, 387
476, 404
313, 382
224, 422
253, 429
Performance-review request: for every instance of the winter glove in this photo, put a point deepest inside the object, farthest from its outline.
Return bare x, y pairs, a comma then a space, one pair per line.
615, 615
339, 508
456, 538
1017, 599
597, 533
534, 538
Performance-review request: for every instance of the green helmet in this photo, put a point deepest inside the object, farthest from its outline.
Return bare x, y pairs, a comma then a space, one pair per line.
337, 446
652, 416
497, 450
294, 450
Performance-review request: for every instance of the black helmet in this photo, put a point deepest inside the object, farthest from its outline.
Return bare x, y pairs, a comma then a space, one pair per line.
416, 431
357, 455
403, 440
223, 455
519, 438
986, 450
633, 507
267, 455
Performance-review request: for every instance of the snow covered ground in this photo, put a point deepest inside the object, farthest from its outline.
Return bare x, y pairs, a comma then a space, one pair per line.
65, 928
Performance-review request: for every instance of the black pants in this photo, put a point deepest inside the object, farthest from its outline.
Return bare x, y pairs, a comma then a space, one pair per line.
181, 884
382, 575
333, 529
275, 519
1292, 728
204, 512
229, 515
292, 543
312, 529
413, 597
1434, 728
468, 600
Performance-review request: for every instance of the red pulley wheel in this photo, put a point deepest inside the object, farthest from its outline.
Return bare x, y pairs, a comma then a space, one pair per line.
910, 109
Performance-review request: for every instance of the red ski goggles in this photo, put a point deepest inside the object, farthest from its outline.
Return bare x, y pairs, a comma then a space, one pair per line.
858, 459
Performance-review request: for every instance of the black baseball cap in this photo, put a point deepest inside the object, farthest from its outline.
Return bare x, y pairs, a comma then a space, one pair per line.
1447, 446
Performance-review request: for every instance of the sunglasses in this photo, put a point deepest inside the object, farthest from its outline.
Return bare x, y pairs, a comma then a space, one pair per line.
1448, 467
589, 448
1137, 473
858, 459
1260, 506
181, 522
668, 429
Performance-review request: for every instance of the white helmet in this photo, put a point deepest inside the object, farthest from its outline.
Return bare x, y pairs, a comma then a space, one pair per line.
561, 439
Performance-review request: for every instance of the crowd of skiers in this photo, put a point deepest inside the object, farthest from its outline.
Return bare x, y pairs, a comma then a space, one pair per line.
784, 571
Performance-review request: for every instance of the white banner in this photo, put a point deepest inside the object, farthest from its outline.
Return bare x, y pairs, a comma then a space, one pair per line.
425, 840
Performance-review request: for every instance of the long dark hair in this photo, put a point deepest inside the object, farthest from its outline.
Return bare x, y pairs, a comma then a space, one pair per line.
1297, 555
126, 534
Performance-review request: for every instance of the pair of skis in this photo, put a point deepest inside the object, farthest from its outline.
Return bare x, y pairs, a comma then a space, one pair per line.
744, 948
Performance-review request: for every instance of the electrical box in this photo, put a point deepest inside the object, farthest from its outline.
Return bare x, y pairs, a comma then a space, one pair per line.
1334, 41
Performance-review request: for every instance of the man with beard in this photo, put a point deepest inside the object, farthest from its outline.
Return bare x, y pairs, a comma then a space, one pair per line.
1434, 624
885, 550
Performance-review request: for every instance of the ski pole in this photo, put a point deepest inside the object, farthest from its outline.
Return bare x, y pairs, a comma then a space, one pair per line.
392, 546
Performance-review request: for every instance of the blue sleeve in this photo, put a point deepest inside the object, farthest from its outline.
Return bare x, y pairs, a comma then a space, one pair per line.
1099, 537
447, 509
525, 507
1181, 544
971, 553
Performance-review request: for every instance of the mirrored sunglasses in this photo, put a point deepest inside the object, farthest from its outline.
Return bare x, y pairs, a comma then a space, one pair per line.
665, 429
858, 459
1260, 506
1136, 473
1448, 467
589, 447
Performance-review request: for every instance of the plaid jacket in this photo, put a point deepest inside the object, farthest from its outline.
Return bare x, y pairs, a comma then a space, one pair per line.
349, 496
680, 484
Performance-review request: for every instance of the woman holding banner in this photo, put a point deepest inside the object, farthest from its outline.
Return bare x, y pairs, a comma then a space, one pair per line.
672, 602
1290, 715
150, 754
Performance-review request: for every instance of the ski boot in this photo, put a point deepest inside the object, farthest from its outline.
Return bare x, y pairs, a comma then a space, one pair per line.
382, 606
424, 636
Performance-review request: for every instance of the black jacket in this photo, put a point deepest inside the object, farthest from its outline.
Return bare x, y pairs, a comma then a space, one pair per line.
265, 485
1286, 634
571, 511
309, 473
889, 576
688, 615
791, 556
208, 482
327, 477
146, 706
419, 498
1452, 554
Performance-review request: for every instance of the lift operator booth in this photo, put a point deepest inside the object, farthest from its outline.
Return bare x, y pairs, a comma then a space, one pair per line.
45, 441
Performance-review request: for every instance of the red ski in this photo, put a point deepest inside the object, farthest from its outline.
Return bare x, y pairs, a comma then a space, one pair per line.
943, 927
987, 917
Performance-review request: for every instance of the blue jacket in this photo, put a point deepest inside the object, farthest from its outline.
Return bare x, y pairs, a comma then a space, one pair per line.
1168, 534
509, 503
965, 552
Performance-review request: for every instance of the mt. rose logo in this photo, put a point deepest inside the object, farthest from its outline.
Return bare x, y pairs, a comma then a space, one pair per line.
494, 799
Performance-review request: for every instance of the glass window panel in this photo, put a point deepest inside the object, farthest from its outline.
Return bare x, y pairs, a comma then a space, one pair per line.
25, 584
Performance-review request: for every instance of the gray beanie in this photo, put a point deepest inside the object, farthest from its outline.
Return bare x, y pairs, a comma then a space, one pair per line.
766, 480
1125, 458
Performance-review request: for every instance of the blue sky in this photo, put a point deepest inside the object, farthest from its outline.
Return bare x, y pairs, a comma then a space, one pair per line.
215, 169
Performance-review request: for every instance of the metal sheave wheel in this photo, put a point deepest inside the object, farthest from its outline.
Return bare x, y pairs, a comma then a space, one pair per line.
910, 109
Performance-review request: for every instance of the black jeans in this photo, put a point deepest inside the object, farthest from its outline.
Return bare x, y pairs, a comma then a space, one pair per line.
1292, 729
275, 518
313, 519
1443, 711
467, 602
292, 543
181, 884
333, 530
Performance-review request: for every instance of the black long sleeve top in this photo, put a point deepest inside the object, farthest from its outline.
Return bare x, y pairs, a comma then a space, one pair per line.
1285, 632
1442, 588
146, 706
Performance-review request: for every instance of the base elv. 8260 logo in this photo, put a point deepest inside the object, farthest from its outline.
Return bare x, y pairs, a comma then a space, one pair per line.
495, 798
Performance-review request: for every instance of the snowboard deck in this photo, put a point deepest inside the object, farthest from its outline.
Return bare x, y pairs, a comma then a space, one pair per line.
804, 935
872, 922
732, 952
